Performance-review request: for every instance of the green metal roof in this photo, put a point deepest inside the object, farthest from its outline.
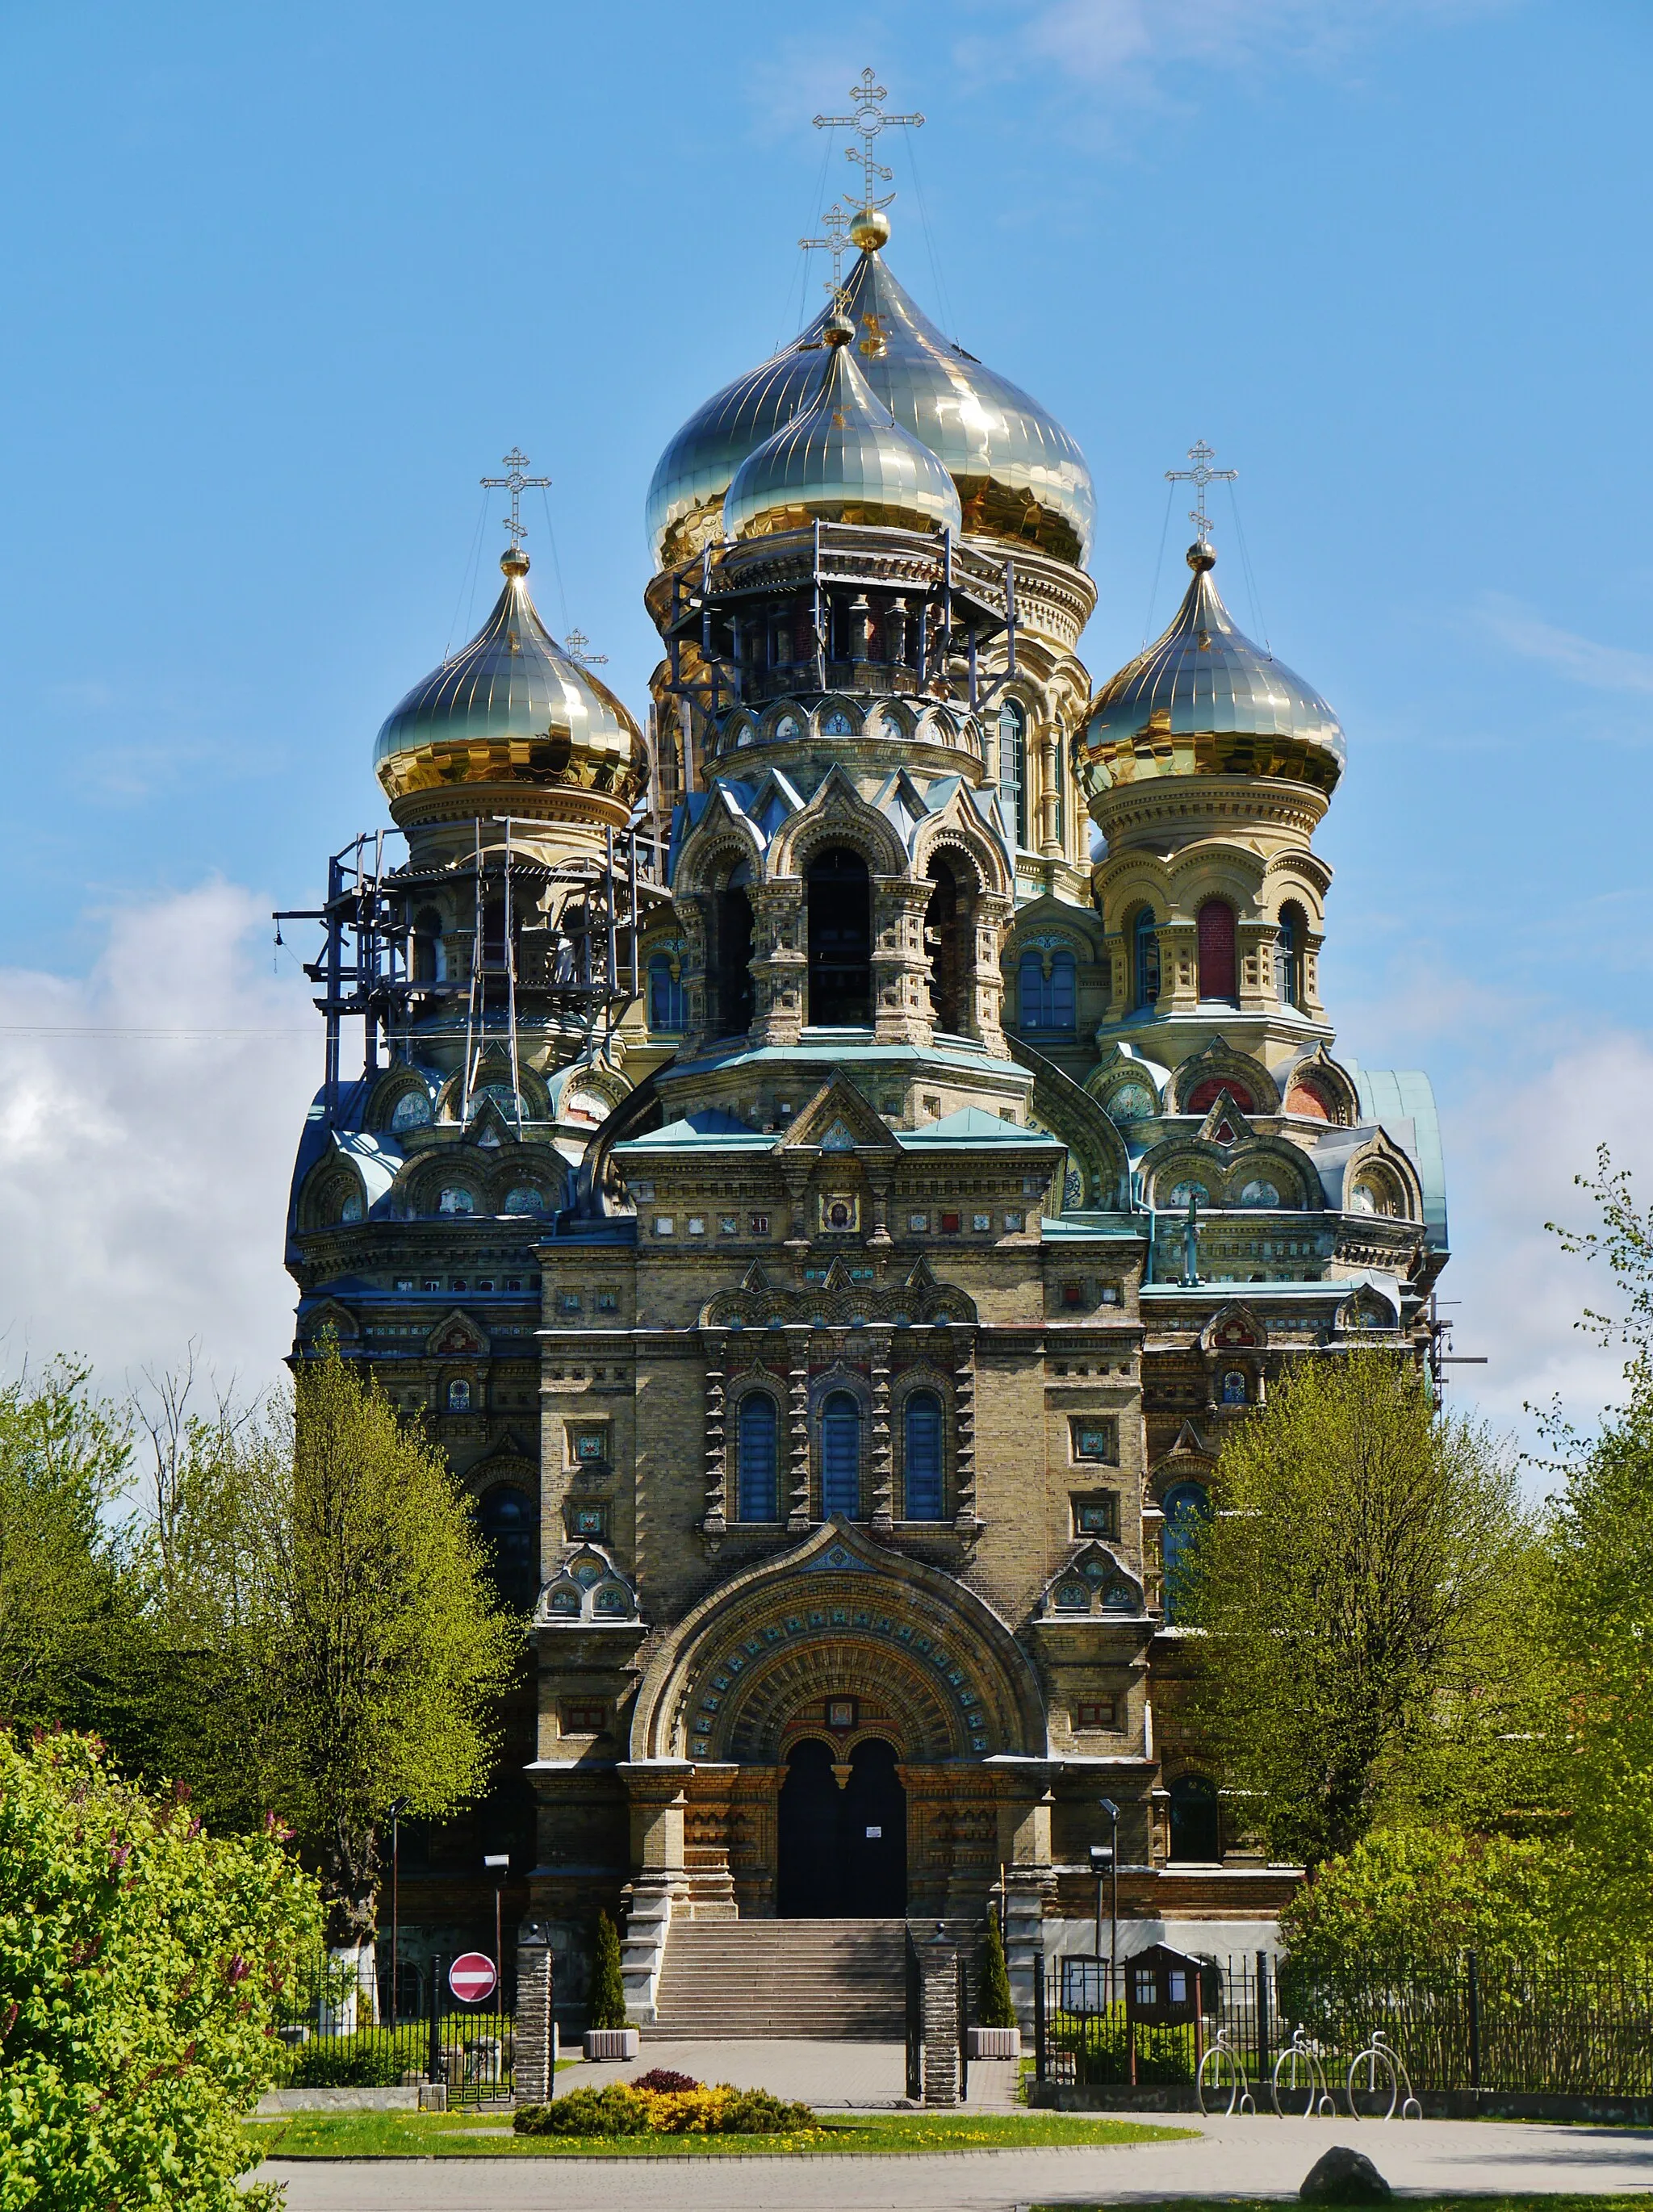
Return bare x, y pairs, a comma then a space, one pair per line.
973, 1125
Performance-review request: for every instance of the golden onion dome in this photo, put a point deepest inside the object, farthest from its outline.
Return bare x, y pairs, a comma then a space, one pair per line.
842, 457
1203, 699
1019, 474
511, 707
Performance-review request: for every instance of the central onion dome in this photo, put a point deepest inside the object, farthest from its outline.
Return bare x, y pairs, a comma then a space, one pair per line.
1203, 699
844, 458
1018, 474
513, 708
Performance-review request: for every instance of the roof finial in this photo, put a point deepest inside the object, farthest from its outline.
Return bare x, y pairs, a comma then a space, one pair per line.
516, 483
1200, 476
836, 223
866, 121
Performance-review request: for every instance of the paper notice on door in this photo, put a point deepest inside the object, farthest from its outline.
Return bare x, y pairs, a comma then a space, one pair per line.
874, 1834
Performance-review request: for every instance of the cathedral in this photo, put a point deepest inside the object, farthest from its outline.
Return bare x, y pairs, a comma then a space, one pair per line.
832, 1159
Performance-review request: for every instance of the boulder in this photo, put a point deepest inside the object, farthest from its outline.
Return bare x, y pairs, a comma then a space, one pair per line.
1343, 2175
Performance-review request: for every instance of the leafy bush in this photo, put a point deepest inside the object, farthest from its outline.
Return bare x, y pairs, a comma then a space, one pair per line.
665, 2078
995, 2007
608, 1991
346, 2061
1407, 1901
629, 2109
141, 1964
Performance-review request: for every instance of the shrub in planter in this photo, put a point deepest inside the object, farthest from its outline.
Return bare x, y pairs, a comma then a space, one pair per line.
995, 2007
608, 1992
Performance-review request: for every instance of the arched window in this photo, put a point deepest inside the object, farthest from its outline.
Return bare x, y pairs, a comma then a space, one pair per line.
411, 1111
1216, 932
1012, 767
493, 932
1294, 930
942, 941
1195, 1831
428, 962
1145, 965
731, 956
1187, 1509
665, 994
459, 1397
1029, 992
1234, 1387
840, 899
922, 1456
841, 1456
524, 1198
505, 1517
456, 1200
1062, 993
755, 1467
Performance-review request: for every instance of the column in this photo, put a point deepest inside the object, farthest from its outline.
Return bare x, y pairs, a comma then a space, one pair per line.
963, 1360
901, 967
986, 979
716, 1520
535, 2031
939, 1967
798, 1335
883, 1454
656, 1788
780, 964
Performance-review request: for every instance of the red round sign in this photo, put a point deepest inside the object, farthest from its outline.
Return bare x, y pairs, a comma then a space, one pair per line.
471, 1977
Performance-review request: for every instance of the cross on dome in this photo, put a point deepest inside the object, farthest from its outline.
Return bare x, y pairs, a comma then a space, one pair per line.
836, 223
866, 121
1200, 476
577, 645
516, 483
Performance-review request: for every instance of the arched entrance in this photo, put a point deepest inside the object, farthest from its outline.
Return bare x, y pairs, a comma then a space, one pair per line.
1195, 1828
843, 1852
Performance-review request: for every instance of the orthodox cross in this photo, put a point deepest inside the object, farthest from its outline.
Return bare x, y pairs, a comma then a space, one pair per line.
575, 645
835, 223
867, 120
516, 483
1200, 476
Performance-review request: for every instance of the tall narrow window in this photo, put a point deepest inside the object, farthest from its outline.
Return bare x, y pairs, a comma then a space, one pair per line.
943, 941
665, 994
1012, 767
755, 1451
1188, 1508
1029, 992
509, 1525
427, 952
1216, 935
840, 898
1288, 955
1145, 941
922, 1456
1062, 993
840, 1457
732, 956
1060, 809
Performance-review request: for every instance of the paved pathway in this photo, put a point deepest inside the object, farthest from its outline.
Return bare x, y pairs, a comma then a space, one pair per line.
1261, 2157
835, 2076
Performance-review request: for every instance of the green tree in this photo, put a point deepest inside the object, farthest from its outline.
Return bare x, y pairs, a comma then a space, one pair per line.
1409, 1899
994, 2006
64, 1458
325, 1576
141, 1962
608, 1989
1601, 1591
1361, 1589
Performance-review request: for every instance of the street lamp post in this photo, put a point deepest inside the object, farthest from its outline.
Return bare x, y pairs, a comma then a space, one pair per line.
499, 1864
1112, 1811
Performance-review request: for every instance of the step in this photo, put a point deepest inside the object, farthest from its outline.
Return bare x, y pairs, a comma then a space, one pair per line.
831, 1979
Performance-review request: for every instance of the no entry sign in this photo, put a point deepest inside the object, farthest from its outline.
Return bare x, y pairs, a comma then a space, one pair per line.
471, 1977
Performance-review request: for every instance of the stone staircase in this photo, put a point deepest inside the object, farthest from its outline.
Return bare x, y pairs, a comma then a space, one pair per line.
837, 1979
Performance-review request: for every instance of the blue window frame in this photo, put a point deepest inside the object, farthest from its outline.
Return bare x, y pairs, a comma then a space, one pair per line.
1146, 935
1012, 767
1062, 993
1188, 1508
665, 994
922, 1456
755, 1459
1029, 992
841, 1456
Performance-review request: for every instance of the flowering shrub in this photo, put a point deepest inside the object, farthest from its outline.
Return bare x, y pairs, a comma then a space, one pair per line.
665, 2077
627, 2108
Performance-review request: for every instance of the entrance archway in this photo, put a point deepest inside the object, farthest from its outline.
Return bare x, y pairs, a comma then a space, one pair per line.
841, 1853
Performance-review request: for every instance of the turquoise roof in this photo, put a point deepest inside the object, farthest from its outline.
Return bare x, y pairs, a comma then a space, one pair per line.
707, 1131
1394, 1095
971, 1125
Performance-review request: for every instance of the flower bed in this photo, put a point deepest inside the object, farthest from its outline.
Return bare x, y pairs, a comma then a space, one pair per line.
624, 2109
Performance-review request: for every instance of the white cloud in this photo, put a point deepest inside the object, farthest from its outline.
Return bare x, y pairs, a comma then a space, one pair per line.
1603, 667
143, 1176
1512, 1150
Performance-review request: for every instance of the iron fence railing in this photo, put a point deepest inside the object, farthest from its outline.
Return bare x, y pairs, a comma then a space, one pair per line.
1538, 2029
338, 2035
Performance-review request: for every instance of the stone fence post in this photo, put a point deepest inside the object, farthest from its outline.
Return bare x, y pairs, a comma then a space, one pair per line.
534, 2036
938, 1965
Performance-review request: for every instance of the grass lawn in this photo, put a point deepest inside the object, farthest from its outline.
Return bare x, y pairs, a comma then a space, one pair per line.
463, 2135
1464, 2203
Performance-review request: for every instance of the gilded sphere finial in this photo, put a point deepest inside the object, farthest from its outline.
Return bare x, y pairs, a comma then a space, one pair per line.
513, 560
837, 330
1201, 555
869, 228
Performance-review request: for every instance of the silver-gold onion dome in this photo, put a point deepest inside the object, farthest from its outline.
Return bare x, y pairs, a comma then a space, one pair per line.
842, 457
1203, 699
511, 707
1019, 474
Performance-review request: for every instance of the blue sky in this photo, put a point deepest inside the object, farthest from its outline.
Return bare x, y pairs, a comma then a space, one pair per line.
282, 284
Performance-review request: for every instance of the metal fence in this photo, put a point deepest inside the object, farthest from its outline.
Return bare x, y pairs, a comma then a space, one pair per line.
1540, 2029
335, 2038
